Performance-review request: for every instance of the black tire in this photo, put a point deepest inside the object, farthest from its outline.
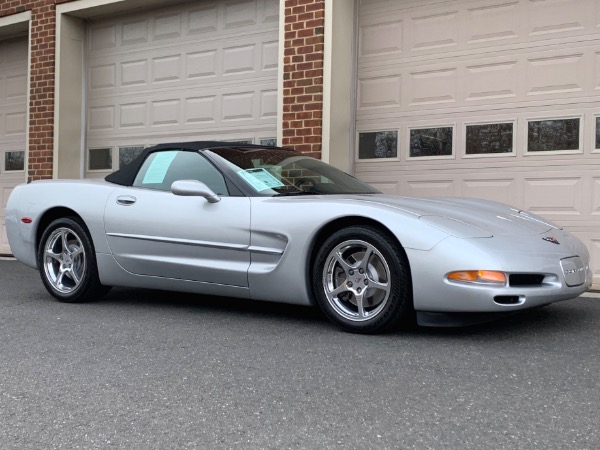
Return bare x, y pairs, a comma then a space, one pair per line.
67, 262
361, 280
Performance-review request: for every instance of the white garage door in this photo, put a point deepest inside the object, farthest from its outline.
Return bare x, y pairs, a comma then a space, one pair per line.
497, 99
13, 108
202, 71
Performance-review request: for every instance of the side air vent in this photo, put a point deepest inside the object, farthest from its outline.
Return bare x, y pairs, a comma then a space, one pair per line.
525, 279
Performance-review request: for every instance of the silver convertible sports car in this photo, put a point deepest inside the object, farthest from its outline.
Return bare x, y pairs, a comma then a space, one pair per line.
272, 224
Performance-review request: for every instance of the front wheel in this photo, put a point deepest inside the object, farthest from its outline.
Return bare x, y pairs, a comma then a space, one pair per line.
361, 280
67, 262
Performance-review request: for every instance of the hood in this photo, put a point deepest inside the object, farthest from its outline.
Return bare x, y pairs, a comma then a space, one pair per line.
466, 217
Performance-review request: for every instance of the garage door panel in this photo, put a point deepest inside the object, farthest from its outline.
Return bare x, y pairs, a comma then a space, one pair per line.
434, 29
432, 87
490, 81
558, 73
595, 195
148, 111
7, 184
212, 21
15, 86
13, 122
381, 38
505, 81
380, 92
14, 52
557, 16
202, 70
503, 190
430, 188
492, 22
557, 190
554, 196
467, 26
184, 67
203, 19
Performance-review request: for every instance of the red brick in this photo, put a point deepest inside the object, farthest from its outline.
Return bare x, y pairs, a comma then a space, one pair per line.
312, 123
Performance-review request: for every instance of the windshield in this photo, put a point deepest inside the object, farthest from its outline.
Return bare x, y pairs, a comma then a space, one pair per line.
281, 172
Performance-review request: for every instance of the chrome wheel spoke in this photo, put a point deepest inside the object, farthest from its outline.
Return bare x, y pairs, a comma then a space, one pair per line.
341, 288
74, 276
364, 263
342, 262
59, 279
65, 242
376, 285
360, 306
76, 252
50, 254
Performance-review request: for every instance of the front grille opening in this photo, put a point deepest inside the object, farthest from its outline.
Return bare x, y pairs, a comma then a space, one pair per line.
525, 279
507, 299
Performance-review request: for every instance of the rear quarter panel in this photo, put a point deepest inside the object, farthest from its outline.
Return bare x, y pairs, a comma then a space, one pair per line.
35, 200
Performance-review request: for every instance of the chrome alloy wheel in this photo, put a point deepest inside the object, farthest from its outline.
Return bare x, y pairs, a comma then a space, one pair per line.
356, 280
64, 260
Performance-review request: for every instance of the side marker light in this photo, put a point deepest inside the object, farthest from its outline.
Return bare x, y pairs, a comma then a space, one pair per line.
478, 276
26, 220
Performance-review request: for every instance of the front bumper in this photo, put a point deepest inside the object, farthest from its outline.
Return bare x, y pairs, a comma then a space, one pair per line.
526, 255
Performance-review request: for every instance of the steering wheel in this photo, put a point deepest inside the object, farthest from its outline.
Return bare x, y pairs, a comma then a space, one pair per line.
305, 181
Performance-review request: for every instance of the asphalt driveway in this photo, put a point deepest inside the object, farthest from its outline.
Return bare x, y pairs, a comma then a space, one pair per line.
148, 369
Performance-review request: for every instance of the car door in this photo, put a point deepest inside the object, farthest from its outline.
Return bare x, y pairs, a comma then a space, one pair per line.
153, 232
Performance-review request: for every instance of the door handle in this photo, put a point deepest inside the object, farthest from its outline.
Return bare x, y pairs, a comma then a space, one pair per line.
126, 200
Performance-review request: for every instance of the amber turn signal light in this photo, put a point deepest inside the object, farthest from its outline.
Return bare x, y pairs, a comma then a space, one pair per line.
478, 276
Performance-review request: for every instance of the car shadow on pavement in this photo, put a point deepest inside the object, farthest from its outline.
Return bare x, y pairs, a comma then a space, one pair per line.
560, 317
200, 304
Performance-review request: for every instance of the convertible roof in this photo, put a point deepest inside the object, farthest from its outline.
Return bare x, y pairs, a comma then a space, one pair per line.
126, 175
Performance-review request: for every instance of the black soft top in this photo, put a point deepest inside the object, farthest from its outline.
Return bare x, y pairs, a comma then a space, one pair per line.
126, 175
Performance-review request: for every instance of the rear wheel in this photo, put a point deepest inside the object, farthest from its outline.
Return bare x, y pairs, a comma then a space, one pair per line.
361, 280
67, 262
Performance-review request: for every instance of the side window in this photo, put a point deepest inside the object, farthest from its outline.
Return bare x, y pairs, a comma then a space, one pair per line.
161, 169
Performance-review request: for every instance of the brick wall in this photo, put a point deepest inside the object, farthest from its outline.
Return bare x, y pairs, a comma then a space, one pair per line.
303, 75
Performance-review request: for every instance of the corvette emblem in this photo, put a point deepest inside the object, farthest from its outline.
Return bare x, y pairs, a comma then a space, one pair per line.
551, 239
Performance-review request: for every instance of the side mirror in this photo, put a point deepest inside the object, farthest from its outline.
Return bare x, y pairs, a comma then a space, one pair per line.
194, 188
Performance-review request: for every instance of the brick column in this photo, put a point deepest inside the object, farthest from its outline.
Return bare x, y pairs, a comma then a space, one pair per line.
41, 100
303, 75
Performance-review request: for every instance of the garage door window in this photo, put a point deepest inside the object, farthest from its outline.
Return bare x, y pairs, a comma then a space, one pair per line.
128, 154
431, 142
554, 135
489, 139
378, 144
271, 142
100, 158
14, 161
597, 146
